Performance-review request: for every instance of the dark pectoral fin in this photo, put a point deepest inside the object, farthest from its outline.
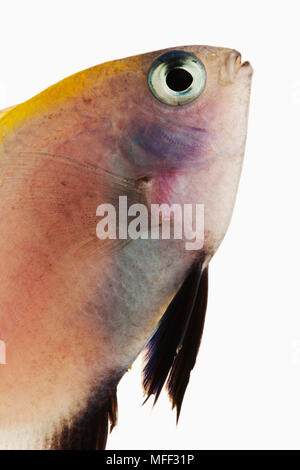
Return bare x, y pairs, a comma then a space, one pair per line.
89, 430
186, 357
171, 353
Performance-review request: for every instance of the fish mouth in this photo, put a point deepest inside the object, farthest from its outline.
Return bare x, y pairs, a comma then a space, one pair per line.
233, 65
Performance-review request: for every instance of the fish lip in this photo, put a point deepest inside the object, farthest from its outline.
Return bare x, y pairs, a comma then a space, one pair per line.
232, 66
247, 66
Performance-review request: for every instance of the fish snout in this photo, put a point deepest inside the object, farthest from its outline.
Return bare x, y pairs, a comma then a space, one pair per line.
233, 66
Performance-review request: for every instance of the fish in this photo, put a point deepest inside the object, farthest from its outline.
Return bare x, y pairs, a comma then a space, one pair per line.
165, 128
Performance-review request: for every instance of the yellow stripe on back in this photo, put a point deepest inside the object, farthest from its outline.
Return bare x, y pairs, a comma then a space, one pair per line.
15, 116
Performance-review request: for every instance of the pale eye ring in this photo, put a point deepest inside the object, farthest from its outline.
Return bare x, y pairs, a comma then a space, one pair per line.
177, 78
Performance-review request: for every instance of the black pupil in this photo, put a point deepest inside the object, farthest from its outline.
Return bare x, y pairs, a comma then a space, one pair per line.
179, 79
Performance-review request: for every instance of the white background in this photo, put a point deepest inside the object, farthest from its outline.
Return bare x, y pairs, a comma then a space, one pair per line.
245, 390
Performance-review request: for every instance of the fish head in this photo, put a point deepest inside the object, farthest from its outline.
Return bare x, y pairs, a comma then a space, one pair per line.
180, 122
175, 118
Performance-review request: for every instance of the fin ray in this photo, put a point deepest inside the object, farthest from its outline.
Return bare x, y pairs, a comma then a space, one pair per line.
66, 206
171, 352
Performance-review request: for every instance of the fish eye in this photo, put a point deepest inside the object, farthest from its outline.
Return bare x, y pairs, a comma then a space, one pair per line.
177, 78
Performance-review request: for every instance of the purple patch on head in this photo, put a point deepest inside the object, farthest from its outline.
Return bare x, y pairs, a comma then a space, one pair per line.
151, 145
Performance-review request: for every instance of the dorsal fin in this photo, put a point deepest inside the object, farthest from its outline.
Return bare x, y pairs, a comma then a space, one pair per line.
171, 352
